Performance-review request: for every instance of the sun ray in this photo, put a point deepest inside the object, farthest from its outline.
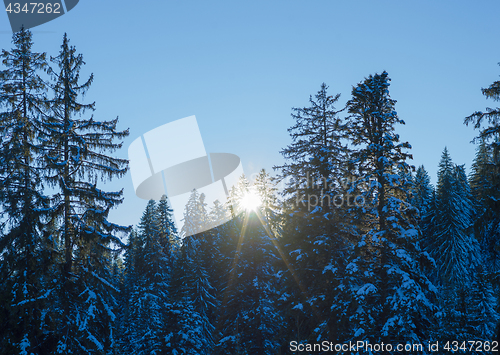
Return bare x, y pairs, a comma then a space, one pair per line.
289, 266
236, 258
271, 236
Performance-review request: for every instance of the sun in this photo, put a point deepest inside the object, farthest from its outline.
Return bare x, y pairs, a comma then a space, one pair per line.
250, 201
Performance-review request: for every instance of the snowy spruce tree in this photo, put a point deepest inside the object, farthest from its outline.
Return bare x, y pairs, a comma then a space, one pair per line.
482, 183
315, 236
77, 155
26, 241
270, 209
314, 158
453, 247
481, 313
421, 191
482, 177
486, 174
488, 123
195, 215
193, 296
390, 299
149, 269
250, 320
424, 199
167, 228
126, 316
488, 210
237, 195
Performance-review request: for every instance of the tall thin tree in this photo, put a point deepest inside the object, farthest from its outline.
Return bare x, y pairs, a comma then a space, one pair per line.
77, 154
25, 207
391, 298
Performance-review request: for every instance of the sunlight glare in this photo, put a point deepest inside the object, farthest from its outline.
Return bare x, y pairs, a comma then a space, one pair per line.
250, 201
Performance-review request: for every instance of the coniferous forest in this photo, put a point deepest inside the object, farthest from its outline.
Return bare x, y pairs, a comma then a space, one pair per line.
348, 243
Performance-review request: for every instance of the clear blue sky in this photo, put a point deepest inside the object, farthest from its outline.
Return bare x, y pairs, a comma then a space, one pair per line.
241, 66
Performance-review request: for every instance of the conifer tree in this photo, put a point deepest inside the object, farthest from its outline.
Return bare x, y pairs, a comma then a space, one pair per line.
482, 316
266, 189
77, 154
453, 247
482, 181
481, 178
488, 124
25, 244
422, 191
250, 319
218, 212
167, 227
237, 195
150, 274
491, 117
423, 198
126, 315
315, 232
195, 290
391, 299
192, 292
314, 164
195, 215
218, 253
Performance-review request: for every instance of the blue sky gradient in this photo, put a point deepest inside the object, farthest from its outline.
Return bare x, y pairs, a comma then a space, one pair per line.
241, 66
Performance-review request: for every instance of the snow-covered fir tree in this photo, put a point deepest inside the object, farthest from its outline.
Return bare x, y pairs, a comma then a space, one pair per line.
314, 234
453, 246
482, 316
77, 153
488, 122
26, 241
127, 316
237, 195
423, 197
249, 321
482, 182
421, 191
390, 297
488, 230
194, 296
315, 158
149, 269
196, 217
269, 206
